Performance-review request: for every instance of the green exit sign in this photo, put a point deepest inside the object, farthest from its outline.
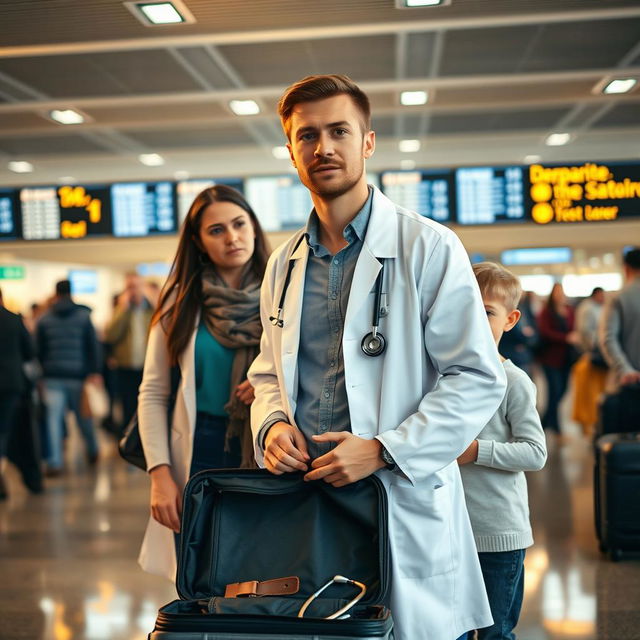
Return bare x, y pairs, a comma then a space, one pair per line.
11, 272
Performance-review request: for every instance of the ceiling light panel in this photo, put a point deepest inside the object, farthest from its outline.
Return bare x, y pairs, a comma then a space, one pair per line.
409, 146
620, 85
157, 14
20, 166
151, 159
557, 139
413, 4
412, 98
66, 116
244, 107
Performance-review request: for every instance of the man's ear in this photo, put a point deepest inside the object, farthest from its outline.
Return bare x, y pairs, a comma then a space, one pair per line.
369, 144
293, 162
512, 320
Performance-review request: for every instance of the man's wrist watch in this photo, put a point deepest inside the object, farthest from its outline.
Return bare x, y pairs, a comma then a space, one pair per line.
388, 460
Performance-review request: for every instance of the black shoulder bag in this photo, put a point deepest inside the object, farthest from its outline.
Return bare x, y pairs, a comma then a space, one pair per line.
130, 445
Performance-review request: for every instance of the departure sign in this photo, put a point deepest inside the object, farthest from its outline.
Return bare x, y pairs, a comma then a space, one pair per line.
143, 208
591, 192
9, 214
52, 213
187, 190
428, 193
487, 195
280, 202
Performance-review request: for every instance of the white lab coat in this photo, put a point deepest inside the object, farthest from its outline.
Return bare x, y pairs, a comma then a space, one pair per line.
425, 398
158, 554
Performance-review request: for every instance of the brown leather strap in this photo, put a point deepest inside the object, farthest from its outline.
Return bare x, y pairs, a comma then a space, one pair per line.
253, 588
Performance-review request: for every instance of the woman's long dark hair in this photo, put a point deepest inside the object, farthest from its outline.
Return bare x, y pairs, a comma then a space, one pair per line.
181, 295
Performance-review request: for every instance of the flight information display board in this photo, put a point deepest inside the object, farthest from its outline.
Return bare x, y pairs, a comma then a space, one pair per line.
187, 190
429, 193
53, 213
143, 208
490, 195
280, 202
9, 214
586, 193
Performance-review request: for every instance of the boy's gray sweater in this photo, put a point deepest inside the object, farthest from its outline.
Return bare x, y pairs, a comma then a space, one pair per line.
495, 486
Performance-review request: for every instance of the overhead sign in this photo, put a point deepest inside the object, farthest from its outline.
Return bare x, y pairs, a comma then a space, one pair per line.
591, 192
12, 272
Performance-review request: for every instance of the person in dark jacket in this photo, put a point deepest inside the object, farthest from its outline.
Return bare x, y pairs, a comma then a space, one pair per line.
16, 349
68, 350
557, 342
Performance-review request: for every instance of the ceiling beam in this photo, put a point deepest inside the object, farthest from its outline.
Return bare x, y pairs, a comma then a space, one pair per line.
374, 86
330, 31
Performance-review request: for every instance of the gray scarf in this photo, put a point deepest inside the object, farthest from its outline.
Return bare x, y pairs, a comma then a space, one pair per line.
232, 316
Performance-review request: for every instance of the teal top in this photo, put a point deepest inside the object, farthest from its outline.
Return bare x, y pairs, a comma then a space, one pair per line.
213, 373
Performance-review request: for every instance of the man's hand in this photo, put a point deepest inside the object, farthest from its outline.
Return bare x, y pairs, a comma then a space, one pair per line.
353, 459
166, 500
470, 455
285, 449
630, 378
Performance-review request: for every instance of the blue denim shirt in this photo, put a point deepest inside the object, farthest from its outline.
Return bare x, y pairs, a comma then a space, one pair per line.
322, 403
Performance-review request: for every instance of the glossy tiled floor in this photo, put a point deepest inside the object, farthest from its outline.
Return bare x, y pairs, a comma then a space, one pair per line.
68, 570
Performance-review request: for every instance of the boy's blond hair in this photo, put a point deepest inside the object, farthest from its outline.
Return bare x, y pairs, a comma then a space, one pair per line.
497, 283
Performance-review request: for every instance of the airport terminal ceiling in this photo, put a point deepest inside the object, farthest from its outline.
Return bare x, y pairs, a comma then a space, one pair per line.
500, 77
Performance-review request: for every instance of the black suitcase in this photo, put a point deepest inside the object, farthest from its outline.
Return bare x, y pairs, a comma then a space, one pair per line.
617, 493
246, 525
620, 412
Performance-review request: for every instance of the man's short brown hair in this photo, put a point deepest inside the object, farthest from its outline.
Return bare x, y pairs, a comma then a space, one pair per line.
314, 88
497, 283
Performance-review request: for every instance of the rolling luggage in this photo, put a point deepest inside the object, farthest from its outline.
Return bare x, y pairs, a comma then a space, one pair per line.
617, 493
620, 412
251, 527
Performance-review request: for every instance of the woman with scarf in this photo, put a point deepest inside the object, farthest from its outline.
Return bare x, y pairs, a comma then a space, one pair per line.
193, 406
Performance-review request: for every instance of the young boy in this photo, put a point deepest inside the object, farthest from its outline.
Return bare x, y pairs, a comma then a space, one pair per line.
493, 466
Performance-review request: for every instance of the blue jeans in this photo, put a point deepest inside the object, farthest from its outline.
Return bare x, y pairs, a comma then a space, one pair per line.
503, 574
557, 382
209, 444
60, 395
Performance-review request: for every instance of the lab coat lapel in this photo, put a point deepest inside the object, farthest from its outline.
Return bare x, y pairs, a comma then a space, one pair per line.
380, 241
292, 315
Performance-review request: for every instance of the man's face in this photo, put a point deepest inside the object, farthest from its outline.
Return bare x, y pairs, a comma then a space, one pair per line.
328, 147
134, 289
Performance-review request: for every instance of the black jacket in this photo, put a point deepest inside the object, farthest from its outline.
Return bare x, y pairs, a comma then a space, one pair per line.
66, 342
15, 349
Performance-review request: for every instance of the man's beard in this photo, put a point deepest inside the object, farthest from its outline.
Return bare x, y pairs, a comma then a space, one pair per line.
332, 189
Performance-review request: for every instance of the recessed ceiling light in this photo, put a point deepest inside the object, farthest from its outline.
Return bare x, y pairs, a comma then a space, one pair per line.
151, 159
531, 159
410, 98
281, 153
409, 146
66, 116
407, 164
557, 139
20, 166
181, 174
409, 4
244, 107
153, 14
620, 85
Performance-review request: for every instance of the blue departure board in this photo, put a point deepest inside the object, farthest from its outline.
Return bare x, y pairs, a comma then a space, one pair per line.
143, 208
9, 214
187, 190
426, 192
489, 195
280, 202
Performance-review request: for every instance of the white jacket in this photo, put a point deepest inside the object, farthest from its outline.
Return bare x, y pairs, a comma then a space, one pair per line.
425, 398
157, 554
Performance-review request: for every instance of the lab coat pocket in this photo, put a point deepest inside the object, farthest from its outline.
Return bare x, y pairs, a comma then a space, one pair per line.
421, 530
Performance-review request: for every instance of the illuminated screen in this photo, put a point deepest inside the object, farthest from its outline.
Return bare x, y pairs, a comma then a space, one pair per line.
143, 208
487, 195
67, 211
83, 281
428, 193
187, 190
542, 255
586, 193
280, 202
9, 214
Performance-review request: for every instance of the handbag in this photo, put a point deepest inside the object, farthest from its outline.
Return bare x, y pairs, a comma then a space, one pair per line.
130, 445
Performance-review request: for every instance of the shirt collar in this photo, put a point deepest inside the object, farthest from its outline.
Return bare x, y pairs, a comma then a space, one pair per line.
355, 230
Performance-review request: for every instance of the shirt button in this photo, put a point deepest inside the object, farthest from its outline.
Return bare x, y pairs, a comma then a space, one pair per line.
334, 296
326, 394
336, 261
332, 363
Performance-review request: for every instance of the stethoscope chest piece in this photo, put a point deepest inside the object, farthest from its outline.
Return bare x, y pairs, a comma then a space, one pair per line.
373, 344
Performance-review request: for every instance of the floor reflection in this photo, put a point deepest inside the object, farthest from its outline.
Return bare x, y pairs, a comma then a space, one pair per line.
69, 569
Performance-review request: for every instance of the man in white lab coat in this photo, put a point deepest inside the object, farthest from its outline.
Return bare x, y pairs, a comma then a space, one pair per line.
325, 407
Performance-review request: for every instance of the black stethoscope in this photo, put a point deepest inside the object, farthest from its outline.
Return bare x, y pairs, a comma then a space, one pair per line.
374, 343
